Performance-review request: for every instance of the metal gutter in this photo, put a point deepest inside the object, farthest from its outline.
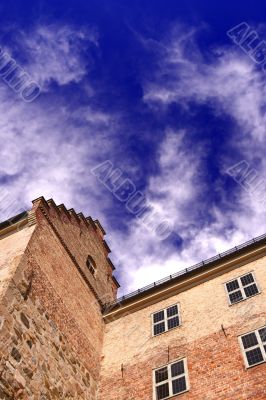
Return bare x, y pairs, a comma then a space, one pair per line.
171, 279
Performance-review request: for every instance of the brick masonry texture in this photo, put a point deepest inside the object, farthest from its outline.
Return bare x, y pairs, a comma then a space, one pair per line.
215, 363
55, 344
51, 326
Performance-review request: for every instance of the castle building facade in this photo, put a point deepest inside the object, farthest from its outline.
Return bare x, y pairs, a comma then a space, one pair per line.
199, 334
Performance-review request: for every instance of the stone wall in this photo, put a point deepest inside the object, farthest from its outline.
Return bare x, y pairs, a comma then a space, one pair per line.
12, 248
51, 326
54, 343
37, 360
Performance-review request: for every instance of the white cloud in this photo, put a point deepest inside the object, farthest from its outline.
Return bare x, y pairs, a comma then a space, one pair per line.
48, 156
46, 149
52, 145
56, 53
231, 84
173, 192
178, 179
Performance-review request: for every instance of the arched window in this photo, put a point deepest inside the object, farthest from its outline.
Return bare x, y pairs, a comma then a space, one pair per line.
91, 265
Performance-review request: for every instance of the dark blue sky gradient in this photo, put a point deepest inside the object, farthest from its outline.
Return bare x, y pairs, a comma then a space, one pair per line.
131, 36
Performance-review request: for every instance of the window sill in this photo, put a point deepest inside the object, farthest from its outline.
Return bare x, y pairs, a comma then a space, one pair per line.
162, 333
241, 301
175, 396
255, 365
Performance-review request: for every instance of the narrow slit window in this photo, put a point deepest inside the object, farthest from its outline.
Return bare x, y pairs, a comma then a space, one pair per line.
253, 345
91, 265
165, 320
171, 380
241, 288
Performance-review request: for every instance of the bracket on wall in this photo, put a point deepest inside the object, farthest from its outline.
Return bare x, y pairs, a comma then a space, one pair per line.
224, 332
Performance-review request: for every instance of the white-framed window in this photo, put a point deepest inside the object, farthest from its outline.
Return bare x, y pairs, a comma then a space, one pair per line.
241, 288
253, 346
170, 380
165, 320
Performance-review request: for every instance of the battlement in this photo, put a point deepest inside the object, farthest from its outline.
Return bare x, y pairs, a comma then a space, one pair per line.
80, 236
58, 339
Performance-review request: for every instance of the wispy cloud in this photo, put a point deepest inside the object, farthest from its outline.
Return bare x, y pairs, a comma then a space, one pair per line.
172, 192
57, 53
231, 85
226, 79
48, 156
48, 147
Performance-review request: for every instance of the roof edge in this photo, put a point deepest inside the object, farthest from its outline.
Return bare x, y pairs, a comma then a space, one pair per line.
197, 269
12, 223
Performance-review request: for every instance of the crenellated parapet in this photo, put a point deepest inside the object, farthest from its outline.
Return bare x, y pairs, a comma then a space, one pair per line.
83, 237
55, 278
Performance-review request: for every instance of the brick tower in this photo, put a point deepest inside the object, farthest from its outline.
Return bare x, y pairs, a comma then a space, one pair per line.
198, 334
55, 277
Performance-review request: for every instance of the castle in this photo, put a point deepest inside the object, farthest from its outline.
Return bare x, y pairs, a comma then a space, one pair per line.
199, 334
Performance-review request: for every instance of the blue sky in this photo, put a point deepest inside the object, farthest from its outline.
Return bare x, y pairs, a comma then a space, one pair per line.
157, 89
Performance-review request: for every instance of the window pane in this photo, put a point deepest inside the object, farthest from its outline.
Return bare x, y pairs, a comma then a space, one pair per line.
161, 375
159, 316
245, 280
249, 340
162, 391
254, 356
251, 290
235, 297
159, 328
262, 333
177, 368
232, 285
173, 322
179, 385
172, 311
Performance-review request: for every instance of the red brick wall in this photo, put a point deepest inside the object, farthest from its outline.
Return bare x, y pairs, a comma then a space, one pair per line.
57, 352
215, 364
59, 286
82, 238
